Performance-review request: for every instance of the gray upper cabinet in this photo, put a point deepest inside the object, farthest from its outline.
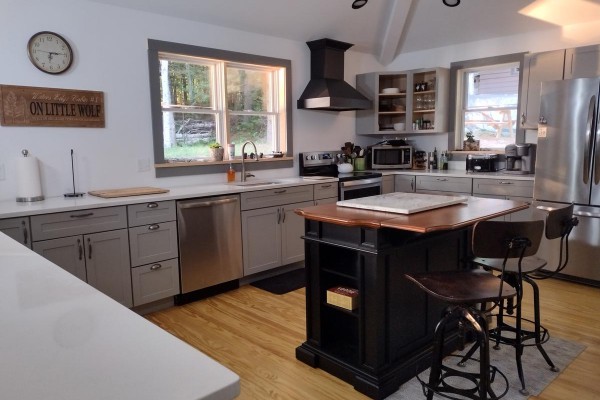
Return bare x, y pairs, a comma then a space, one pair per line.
582, 62
538, 67
18, 229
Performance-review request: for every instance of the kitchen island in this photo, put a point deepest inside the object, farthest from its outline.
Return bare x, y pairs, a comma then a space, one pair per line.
386, 339
61, 339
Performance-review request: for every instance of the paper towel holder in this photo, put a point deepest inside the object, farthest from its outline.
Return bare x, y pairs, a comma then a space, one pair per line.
74, 194
30, 194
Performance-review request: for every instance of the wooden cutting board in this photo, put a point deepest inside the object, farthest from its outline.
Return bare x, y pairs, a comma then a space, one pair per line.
134, 191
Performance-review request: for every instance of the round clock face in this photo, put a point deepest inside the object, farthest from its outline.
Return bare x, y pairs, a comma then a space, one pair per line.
50, 52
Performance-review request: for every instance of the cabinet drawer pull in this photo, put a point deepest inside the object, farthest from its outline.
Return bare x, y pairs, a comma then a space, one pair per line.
280, 191
152, 205
278, 216
153, 227
283, 215
81, 215
505, 183
80, 249
325, 186
89, 248
155, 267
441, 179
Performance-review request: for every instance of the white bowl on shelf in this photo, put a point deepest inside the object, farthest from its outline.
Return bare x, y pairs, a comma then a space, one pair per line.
390, 91
400, 126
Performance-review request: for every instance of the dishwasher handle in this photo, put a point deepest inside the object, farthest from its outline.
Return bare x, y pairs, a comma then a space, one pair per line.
207, 203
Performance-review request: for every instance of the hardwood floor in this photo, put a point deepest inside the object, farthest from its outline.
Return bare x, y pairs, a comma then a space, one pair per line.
255, 334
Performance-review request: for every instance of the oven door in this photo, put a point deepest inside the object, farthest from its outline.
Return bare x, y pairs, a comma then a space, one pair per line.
359, 188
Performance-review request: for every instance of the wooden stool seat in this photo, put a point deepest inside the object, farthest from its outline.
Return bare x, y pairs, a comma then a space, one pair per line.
462, 287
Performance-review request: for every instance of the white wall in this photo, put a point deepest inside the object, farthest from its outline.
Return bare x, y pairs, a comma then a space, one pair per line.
110, 46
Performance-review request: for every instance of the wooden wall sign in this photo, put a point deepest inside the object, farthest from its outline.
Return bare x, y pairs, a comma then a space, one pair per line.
35, 106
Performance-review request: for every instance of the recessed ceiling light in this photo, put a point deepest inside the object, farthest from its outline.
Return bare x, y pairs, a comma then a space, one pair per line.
356, 4
451, 3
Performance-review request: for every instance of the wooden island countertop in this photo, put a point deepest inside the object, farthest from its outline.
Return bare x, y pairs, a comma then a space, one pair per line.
445, 218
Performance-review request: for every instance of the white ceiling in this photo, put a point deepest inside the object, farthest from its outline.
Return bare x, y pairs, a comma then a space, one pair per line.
384, 28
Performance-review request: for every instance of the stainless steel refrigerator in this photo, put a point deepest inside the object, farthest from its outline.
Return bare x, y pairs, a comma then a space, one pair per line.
568, 169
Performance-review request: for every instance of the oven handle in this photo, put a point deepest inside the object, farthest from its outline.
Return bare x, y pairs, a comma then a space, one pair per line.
360, 182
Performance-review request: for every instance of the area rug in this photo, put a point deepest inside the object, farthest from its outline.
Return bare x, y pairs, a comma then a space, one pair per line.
537, 374
283, 283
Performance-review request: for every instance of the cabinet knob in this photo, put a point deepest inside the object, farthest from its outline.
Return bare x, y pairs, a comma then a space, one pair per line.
152, 205
153, 227
155, 267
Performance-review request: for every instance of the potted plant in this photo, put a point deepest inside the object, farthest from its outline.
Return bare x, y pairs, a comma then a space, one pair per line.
470, 144
216, 151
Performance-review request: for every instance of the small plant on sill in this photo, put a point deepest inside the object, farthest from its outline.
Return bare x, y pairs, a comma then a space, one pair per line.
470, 144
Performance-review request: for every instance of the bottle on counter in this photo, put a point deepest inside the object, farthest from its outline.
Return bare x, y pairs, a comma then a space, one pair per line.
230, 174
435, 159
444, 161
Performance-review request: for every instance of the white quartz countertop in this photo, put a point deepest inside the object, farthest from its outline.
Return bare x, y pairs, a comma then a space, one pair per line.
61, 339
403, 203
10, 208
459, 173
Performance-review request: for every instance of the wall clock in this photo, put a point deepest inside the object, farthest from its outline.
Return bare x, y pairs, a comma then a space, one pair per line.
50, 52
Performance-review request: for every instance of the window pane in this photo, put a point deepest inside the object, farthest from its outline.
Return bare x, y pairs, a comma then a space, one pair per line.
187, 135
493, 129
494, 88
257, 128
186, 84
248, 90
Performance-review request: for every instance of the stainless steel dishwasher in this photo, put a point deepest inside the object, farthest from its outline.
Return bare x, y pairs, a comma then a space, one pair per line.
210, 241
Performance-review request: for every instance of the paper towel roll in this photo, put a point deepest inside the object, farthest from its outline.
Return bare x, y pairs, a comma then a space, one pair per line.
29, 185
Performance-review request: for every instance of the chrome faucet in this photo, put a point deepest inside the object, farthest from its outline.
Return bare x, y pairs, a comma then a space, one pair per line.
244, 173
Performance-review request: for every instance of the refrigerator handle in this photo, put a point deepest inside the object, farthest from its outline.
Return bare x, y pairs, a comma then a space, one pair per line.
587, 151
596, 160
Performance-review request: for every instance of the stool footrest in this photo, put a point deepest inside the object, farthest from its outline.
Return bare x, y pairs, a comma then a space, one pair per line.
447, 389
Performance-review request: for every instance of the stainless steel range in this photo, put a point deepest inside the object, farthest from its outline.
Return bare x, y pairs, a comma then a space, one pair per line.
351, 185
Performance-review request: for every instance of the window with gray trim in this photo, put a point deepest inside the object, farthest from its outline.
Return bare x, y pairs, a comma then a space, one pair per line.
200, 96
484, 99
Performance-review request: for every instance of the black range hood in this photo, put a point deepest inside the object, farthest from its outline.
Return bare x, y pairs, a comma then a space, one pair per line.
327, 89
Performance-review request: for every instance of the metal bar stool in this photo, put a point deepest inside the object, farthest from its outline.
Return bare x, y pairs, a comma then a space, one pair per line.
559, 223
465, 291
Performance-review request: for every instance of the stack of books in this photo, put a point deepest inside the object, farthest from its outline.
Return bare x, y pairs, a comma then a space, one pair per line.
343, 297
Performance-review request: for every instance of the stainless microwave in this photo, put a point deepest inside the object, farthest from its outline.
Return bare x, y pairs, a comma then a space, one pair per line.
390, 157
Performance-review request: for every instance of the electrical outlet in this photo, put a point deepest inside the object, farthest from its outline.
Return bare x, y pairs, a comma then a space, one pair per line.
2, 172
143, 165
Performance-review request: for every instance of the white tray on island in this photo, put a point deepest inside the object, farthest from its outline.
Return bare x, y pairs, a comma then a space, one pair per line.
403, 203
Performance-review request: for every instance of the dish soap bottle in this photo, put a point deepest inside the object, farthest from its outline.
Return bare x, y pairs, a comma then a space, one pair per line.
230, 174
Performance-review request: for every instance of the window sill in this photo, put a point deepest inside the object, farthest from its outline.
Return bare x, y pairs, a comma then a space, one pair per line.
466, 152
224, 162
215, 167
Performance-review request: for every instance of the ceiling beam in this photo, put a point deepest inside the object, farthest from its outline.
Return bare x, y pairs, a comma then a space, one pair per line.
394, 30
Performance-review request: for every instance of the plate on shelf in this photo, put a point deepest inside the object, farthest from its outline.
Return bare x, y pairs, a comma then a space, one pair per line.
390, 91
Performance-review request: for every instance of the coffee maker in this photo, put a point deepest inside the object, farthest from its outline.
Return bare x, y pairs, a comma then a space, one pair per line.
520, 158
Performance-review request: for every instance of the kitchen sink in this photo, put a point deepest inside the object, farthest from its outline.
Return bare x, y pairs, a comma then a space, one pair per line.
255, 183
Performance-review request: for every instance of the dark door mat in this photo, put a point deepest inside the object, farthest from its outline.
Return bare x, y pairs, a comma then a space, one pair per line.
283, 283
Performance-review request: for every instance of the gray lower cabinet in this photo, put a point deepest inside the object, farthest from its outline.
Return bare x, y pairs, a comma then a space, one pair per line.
154, 251
508, 189
101, 259
404, 183
155, 281
387, 184
271, 237
18, 229
443, 185
271, 231
91, 244
326, 193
